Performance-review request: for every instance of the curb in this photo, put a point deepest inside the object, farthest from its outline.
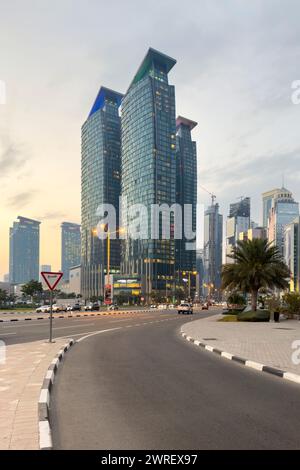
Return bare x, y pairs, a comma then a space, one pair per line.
246, 362
45, 437
74, 316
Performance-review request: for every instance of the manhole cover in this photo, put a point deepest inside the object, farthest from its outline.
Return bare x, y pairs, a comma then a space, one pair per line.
210, 339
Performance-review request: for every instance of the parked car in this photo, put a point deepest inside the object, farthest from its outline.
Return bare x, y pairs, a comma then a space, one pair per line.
162, 307
113, 307
75, 308
43, 309
185, 308
171, 306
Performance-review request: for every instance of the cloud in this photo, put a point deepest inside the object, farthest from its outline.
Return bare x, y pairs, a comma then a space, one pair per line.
52, 216
20, 200
11, 158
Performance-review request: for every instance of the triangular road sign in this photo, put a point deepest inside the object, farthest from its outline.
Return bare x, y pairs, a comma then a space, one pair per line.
51, 279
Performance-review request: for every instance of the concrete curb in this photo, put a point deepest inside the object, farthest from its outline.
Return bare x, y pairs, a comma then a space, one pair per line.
45, 437
74, 316
248, 363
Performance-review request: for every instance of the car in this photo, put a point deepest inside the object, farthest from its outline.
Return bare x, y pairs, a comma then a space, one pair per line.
171, 306
113, 307
153, 306
43, 309
162, 307
205, 306
185, 308
75, 308
91, 307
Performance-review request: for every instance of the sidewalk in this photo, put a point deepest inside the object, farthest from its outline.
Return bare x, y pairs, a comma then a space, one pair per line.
21, 379
266, 343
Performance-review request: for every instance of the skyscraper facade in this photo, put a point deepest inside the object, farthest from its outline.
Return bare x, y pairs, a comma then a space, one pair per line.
283, 211
267, 201
186, 193
70, 247
100, 184
24, 250
238, 221
291, 252
213, 238
149, 167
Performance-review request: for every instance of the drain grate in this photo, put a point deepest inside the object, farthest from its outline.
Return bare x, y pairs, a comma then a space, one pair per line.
281, 328
210, 339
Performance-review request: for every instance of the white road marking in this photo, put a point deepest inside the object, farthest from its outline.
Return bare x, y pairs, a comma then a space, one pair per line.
76, 326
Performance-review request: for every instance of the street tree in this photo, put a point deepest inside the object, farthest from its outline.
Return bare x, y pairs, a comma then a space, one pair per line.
32, 288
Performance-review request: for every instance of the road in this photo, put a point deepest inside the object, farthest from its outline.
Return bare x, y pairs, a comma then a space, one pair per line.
141, 386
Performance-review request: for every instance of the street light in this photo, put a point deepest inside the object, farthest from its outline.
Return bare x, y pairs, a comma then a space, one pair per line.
189, 278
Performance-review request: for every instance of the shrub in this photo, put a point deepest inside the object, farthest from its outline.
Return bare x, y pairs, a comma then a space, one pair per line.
255, 316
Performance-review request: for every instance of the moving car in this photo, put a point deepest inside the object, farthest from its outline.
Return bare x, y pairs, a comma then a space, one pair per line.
205, 306
162, 307
92, 307
153, 306
185, 308
43, 309
113, 307
74, 308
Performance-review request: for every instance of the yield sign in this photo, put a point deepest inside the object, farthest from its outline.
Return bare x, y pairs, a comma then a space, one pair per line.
52, 279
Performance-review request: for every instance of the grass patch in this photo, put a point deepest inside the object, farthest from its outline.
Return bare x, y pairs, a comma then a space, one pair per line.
229, 318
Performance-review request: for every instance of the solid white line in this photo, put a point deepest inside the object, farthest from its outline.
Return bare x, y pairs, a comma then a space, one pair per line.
97, 333
7, 334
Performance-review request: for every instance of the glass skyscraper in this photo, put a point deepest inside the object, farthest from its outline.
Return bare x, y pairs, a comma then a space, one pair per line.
70, 247
213, 237
100, 184
186, 192
149, 166
24, 251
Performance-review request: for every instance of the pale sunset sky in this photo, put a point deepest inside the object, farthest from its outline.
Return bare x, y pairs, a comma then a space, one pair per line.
236, 62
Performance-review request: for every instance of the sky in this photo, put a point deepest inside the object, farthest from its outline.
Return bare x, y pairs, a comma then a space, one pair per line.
236, 62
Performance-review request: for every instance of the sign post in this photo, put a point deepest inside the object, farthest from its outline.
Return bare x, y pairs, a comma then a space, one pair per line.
52, 280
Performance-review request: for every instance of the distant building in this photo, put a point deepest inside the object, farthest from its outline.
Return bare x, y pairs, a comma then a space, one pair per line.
213, 237
44, 268
75, 280
283, 211
238, 221
200, 272
186, 192
6, 277
24, 250
291, 252
257, 232
100, 184
70, 247
267, 201
7, 286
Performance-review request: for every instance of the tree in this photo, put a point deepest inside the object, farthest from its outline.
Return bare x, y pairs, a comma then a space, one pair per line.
236, 299
256, 264
292, 300
3, 296
32, 288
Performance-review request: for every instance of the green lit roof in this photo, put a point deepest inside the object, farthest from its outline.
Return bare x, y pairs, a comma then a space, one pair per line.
153, 56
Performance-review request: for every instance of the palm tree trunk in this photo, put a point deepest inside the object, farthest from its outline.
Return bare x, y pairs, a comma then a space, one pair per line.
254, 295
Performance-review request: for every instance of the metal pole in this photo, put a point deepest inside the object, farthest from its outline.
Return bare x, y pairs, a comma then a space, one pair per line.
189, 285
51, 316
108, 261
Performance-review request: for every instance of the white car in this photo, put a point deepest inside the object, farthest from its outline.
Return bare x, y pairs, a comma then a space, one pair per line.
43, 309
162, 307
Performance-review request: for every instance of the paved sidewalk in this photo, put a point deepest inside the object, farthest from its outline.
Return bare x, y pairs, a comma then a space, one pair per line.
21, 379
262, 342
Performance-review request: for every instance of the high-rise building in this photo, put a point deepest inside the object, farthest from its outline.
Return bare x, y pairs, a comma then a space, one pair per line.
44, 268
70, 247
100, 184
283, 211
186, 193
291, 252
149, 168
267, 201
24, 250
213, 238
238, 221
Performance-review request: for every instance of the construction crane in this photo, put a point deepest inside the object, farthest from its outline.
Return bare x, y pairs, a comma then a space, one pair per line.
213, 196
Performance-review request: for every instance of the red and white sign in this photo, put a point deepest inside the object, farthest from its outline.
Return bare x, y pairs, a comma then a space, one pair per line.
51, 279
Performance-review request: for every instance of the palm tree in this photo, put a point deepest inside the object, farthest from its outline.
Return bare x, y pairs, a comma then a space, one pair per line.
256, 264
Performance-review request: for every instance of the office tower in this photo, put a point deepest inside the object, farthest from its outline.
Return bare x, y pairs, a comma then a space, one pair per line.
100, 184
291, 252
267, 201
238, 221
149, 168
255, 232
70, 247
213, 237
283, 211
24, 250
200, 272
186, 193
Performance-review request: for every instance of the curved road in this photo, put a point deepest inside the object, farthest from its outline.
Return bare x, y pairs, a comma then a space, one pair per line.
144, 387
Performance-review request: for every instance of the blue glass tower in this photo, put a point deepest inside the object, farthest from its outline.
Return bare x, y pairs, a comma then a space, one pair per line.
149, 166
70, 247
24, 251
100, 184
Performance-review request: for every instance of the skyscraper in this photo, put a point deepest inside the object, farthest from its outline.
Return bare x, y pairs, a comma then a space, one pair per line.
238, 221
213, 238
267, 200
186, 191
70, 247
100, 184
24, 250
291, 252
149, 167
283, 211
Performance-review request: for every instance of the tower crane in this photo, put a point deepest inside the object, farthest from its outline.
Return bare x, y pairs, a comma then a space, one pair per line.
213, 196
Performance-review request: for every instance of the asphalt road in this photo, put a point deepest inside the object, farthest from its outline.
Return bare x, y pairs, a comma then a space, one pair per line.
143, 387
